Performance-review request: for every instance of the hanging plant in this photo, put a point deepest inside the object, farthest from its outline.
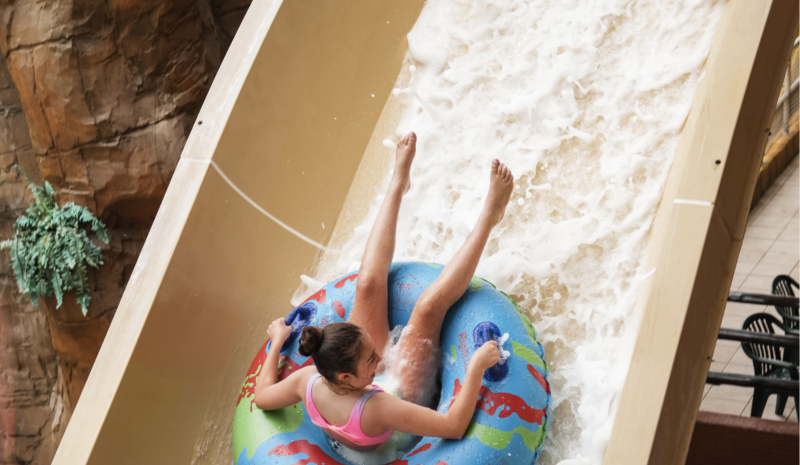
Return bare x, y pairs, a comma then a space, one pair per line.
50, 250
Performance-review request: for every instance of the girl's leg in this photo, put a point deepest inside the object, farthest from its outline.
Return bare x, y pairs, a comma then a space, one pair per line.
420, 342
370, 307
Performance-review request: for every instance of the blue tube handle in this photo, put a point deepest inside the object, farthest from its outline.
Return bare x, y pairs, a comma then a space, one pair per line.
298, 318
483, 333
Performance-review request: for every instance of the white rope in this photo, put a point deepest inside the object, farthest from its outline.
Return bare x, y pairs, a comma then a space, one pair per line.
702, 203
266, 213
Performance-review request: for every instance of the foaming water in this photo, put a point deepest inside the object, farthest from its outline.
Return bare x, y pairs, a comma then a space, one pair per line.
389, 452
585, 102
427, 359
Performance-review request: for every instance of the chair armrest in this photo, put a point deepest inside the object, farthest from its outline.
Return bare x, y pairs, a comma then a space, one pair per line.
771, 361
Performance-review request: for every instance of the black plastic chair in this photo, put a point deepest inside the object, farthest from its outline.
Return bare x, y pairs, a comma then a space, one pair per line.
785, 285
768, 361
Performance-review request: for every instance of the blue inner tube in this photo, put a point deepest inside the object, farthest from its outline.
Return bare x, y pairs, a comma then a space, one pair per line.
512, 412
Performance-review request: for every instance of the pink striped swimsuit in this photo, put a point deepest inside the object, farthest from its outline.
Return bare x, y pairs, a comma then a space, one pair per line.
352, 430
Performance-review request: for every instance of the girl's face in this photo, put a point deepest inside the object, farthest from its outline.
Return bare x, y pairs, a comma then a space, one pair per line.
367, 364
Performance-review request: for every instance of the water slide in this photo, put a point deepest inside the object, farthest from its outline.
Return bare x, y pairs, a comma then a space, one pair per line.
636, 131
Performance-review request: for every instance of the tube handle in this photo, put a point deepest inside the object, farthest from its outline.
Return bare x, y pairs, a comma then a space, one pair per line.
298, 318
483, 333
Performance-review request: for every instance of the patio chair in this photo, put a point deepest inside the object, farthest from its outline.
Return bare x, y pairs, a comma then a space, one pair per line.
768, 361
785, 285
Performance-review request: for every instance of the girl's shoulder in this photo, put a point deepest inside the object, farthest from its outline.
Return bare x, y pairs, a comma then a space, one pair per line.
381, 399
305, 374
301, 378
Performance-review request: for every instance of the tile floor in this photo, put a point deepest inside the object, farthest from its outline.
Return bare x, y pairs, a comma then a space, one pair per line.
771, 247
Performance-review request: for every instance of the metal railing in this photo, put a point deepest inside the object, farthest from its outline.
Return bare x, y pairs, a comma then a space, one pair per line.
788, 101
763, 299
783, 386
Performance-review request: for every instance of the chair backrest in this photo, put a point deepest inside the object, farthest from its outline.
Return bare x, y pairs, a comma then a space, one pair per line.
785, 285
762, 354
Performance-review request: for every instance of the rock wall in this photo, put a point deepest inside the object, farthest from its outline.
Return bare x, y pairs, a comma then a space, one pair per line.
98, 98
32, 416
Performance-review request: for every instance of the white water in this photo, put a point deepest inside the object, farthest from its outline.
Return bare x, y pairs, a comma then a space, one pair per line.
585, 101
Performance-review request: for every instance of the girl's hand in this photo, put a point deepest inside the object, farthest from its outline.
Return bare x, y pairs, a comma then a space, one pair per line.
272, 394
278, 331
486, 356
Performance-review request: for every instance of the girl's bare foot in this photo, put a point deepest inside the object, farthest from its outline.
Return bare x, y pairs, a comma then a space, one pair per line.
406, 149
501, 185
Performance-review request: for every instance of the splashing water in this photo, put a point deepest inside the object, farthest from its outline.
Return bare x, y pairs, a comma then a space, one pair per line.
585, 102
389, 379
504, 354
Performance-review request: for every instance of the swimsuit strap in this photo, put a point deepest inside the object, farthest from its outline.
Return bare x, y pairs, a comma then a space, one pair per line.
358, 409
316, 417
352, 429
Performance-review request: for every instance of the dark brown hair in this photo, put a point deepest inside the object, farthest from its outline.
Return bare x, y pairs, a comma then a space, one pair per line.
335, 349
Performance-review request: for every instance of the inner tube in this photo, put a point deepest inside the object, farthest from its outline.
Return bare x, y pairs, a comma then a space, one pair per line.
512, 412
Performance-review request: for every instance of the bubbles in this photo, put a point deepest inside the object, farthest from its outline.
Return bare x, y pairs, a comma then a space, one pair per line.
385, 454
504, 354
426, 359
310, 282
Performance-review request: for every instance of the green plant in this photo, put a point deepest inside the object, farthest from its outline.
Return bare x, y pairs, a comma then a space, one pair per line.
50, 248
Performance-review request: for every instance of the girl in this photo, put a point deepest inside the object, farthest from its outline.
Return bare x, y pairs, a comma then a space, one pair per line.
346, 355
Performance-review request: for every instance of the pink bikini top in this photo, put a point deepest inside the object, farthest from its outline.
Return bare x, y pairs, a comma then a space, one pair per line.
352, 430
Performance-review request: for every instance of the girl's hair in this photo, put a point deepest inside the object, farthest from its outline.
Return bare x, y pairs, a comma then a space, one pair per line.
335, 349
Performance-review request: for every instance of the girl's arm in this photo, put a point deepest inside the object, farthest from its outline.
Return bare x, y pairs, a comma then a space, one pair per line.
421, 421
271, 395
